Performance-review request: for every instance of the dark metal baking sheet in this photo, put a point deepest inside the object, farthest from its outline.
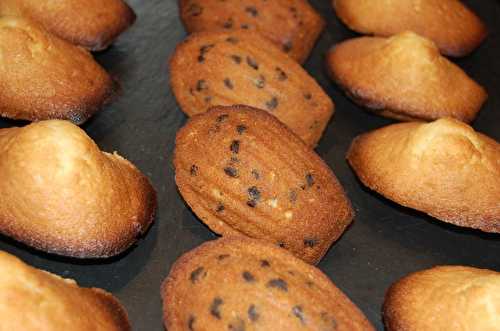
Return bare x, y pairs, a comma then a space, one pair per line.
384, 243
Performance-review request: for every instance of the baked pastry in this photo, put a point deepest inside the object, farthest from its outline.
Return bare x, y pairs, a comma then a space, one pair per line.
93, 24
444, 298
44, 77
34, 299
244, 173
455, 29
241, 67
293, 25
404, 77
245, 284
444, 168
62, 195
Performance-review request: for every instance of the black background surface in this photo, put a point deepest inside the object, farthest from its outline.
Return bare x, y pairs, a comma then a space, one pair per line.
385, 241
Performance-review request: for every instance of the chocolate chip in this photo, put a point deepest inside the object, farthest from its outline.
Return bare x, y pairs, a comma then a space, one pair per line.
281, 74
195, 10
255, 174
207, 99
201, 85
253, 315
234, 160
241, 129
253, 196
220, 208
309, 283
279, 284
252, 11
204, 50
265, 263
228, 24
231, 172
308, 96
248, 277
287, 46
194, 170
190, 322
232, 40
197, 274
222, 118
222, 257
245, 26
215, 307
252, 63
331, 321
236, 59
311, 242
235, 146
309, 180
292, 196
299, 313
228, 83
272, 104
238, 325
281, 244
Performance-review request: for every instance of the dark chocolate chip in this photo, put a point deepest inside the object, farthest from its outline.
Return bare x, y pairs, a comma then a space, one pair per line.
287, 46
272, 104
310, 242
279, 284
205, 48
252, 63
229, 84
265, 263
222, 118
293, 9
309, 283
281, 244
248, 277
215, 307
231, 172
292, 196
234, 160
236, 59
255, 174
190, 322
241, 129
222, 257
260, 82
251, 10
197, 274
281, 74
253, 315
245, 26
253, 196
220, 208
235, 146
195, 10
333, 323
194, 170
232, 40
309, 180
308, 96
228, 24
298, 312
201, 85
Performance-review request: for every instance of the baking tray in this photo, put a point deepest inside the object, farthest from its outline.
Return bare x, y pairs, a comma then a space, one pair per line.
384, 243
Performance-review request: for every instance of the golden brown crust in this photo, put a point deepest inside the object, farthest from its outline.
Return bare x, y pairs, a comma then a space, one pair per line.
92, 24
246, 284
241, 67
44, 77
455, 29
444, 298
404, 77
64, 196
244, 173
293, 25
32, 299
444, 169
